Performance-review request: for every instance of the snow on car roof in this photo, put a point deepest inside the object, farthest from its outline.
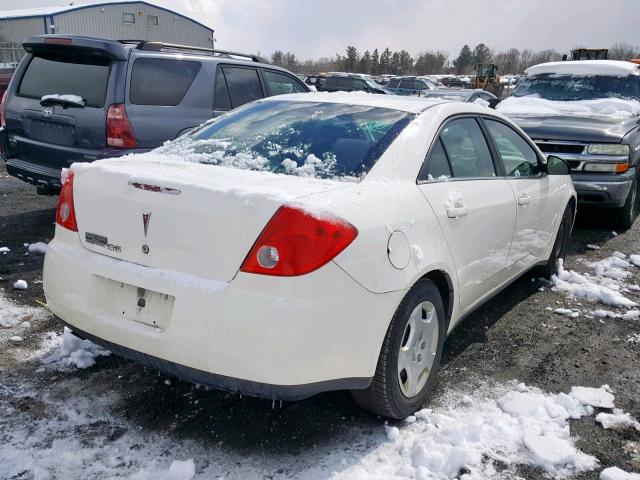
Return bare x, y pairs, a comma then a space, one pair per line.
586, 67
394, 102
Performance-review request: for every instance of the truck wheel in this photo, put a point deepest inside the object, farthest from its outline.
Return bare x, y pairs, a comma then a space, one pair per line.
410, 356
624, 216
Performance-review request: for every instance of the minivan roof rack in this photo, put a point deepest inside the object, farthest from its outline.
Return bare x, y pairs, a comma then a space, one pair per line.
159, 46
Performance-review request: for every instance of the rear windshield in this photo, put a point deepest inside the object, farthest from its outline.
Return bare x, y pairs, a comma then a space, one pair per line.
87, 78
311, 139
574, 87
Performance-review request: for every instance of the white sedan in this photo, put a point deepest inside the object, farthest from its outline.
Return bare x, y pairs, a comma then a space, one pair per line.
306, 243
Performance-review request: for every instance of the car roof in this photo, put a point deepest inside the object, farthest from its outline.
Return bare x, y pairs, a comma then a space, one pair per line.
586, 67
393, 102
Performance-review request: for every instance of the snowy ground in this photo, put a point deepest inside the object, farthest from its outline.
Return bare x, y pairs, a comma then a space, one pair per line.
540, 383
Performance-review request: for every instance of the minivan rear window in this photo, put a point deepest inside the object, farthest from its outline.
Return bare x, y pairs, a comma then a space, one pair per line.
160, 81
49, 75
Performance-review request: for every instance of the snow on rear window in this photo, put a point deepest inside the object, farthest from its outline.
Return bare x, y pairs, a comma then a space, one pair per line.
309, 139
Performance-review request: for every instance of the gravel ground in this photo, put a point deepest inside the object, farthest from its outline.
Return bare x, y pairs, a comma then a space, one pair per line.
511, 337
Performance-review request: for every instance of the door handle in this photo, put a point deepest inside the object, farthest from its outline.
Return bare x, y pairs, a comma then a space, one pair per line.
524, 200
456, 212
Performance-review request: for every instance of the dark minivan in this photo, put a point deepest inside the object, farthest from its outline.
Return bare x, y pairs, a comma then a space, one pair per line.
79, 99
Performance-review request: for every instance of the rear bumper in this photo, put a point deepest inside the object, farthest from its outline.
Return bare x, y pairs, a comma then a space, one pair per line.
605, 189
278, 338
43, 176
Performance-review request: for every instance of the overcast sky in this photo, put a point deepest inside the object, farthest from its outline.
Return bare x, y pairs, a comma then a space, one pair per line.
325, 27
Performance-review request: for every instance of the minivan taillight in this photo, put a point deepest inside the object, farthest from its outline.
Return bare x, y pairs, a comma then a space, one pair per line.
119, 131
3, 109
295, 242
66, 213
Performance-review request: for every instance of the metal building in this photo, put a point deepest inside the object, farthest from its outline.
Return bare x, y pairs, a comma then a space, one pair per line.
116, 20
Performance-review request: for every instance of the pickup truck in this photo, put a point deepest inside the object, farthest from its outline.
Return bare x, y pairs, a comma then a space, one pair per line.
587, 113
410, 85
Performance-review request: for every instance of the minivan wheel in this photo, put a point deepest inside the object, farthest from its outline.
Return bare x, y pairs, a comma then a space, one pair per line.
559, 246
625, 216
410, 356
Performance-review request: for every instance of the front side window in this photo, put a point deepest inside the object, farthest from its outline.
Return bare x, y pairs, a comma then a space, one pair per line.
304, 138
360, 85
279, 83
466, 149
152, 21
519, 158
128, 18
244, 85
160, 81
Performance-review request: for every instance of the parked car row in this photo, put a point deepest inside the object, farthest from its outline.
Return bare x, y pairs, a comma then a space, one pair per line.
316, 242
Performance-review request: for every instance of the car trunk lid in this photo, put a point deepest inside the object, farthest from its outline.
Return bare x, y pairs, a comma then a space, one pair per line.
179, 216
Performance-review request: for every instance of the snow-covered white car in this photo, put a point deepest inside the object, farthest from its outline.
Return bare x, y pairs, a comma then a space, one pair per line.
307, 243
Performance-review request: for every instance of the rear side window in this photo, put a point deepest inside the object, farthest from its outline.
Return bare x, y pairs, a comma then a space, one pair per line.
221, 98
279, 83
160, 81
467, 149
437, 165
85, 77
393, 83
244, 85
410, 84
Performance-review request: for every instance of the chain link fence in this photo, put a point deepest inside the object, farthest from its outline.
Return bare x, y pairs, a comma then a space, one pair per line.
10, 54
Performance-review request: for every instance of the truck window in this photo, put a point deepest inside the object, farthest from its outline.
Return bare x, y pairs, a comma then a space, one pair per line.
244, 85
221, 98
160, 81
86, 77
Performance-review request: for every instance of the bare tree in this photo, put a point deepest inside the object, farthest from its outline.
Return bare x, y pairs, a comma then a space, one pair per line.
624, 51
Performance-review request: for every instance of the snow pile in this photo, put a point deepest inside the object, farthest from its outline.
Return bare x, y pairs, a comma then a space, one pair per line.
617, 419
65, 98
633, 339
38, 247
533, 105
4, 250
182, 470
72, 351
615, 473
513, 424
20, 285
567, 312
628, 315
585, 68
12, 315
596, 397
595, 289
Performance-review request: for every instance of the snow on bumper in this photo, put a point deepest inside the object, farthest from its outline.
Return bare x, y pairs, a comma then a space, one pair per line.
267, 336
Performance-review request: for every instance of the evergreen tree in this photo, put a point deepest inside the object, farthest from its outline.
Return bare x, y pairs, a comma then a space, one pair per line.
385, 61
406, 62
365, 63
465, 60
375, 63
482, 54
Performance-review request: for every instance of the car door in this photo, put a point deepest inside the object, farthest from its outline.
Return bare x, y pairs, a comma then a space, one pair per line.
474, 205
242, 83
407, 86
537, 216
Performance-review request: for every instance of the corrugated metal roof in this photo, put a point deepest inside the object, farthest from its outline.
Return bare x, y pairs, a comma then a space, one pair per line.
46, 11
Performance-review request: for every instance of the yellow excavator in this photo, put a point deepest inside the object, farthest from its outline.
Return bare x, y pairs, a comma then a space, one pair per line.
487, 78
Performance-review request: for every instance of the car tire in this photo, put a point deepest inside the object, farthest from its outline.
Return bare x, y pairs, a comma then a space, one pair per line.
624, 216
410, 356
559, 246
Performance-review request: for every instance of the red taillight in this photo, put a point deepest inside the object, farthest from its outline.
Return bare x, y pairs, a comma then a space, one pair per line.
57, 41
294, 242
119, 131
66, 213
3, 109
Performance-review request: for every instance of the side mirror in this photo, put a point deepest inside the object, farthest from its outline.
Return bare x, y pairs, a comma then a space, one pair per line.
557, 166
493, 102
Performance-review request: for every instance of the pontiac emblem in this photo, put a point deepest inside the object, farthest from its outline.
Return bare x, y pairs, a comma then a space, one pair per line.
47, 111
145, 222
